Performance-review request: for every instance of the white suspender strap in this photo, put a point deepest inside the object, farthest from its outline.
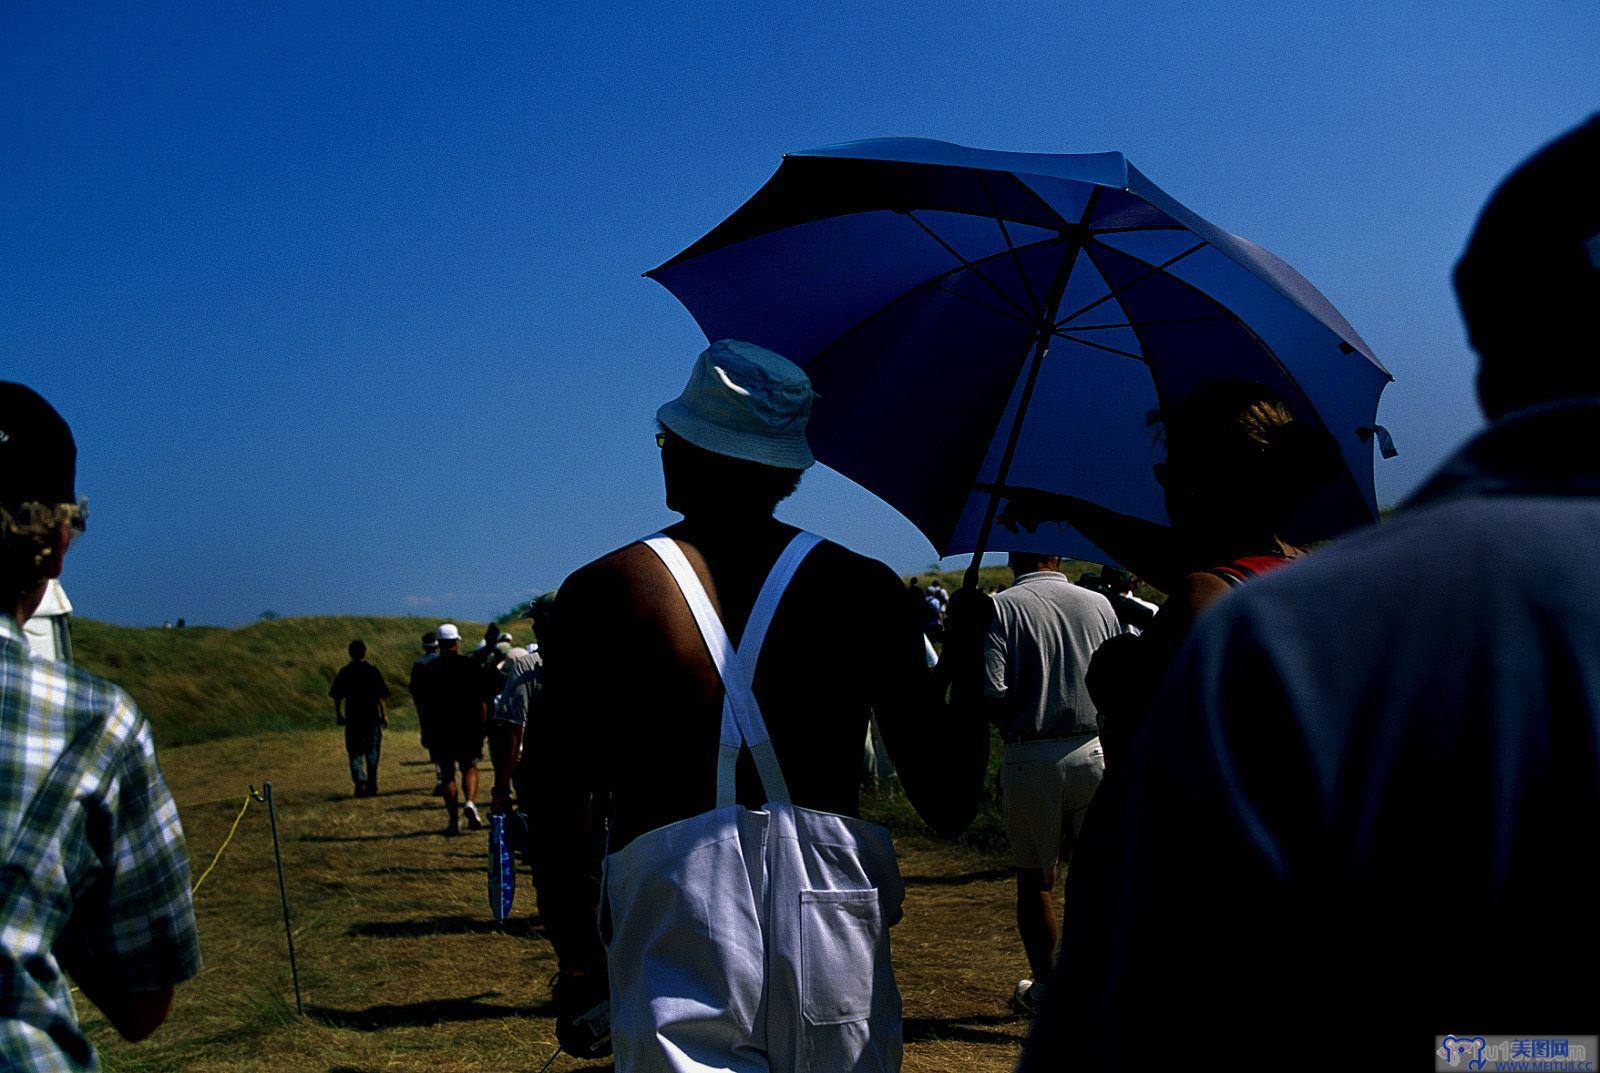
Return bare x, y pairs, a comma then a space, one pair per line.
772, 590
741, 714
716, 641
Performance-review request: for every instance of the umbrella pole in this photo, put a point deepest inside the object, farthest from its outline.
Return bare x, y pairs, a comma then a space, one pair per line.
1047, 326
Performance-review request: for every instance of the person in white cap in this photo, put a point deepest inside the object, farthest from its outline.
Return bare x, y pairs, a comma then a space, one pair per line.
745, 904
451, 692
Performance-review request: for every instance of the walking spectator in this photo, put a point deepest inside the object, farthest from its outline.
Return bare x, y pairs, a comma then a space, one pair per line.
524, 690
96, 877
1043, 631
360, 705
430, 652
1371, 804
453, 698
650, 703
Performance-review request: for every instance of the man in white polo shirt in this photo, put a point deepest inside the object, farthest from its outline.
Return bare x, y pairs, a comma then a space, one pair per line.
1043, 632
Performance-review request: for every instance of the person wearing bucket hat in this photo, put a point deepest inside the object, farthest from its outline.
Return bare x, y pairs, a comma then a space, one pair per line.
634, 703
743, 401
97, 878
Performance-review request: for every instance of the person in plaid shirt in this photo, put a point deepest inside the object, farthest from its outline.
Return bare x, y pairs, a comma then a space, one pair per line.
94, 878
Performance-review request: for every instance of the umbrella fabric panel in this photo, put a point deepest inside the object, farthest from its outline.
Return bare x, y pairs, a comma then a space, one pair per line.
1263, 264
1087, 433
909, 402
806, 189
797, 290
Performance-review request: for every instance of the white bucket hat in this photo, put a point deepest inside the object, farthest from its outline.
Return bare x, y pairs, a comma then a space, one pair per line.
745, 402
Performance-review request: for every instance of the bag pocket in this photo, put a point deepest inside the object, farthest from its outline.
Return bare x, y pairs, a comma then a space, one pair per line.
841, 933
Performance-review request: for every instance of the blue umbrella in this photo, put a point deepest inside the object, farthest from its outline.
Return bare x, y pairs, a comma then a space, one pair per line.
990, 330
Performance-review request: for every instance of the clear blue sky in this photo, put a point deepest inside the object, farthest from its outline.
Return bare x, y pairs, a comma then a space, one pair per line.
343, 300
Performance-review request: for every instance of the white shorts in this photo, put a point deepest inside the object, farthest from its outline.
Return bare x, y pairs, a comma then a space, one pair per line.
1046, 787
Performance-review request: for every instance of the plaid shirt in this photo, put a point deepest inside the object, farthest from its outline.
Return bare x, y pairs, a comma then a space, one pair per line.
94, 877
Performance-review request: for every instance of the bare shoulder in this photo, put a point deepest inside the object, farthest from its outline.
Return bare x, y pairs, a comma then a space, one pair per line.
606, 578
1198, 590
852, 568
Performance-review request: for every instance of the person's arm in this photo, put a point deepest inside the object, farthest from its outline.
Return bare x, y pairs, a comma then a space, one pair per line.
131, 937
383, 712
1147, 549
337, 692
559, 768
941, 751
134, 1014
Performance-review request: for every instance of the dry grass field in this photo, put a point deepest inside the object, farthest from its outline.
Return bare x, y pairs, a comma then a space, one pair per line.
401, 968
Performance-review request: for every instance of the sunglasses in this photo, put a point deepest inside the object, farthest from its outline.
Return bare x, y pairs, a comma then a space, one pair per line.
661, 440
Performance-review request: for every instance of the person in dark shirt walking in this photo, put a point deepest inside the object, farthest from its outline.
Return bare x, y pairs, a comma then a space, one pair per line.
359, 694
430, 652
452, 691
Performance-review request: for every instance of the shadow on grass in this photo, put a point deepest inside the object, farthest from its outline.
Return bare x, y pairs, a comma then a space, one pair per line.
963, 878
421, 1014
369, 838
520, 926
440, 870
977, 1028
343, 796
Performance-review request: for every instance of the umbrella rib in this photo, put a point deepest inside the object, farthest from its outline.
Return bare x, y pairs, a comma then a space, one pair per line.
966, 264
1140, 278
1141, 324
1101, 346
1137, 227
903, 296
996, 310
1005, 233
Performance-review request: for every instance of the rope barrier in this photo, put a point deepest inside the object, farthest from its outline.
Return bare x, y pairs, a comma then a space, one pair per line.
187, 806
231, 832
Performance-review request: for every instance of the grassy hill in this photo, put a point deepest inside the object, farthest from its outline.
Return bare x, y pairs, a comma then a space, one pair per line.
206, 682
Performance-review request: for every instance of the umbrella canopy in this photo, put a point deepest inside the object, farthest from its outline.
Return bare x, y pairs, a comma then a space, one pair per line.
982, 327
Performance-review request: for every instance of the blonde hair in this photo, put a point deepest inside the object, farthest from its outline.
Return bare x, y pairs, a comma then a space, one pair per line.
29, 536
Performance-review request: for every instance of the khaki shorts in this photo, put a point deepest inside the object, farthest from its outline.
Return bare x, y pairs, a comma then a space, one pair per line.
1046, 787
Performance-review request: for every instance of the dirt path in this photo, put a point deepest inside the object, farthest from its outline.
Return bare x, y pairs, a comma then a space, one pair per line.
401, 968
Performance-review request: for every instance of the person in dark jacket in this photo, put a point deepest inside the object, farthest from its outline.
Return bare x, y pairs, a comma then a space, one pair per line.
1357, 825
360, 705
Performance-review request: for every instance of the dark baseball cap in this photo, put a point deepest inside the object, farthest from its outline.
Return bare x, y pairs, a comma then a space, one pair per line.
38, 458
1529, 280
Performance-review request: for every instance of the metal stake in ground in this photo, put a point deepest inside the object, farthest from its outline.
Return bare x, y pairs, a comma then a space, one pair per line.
283, 894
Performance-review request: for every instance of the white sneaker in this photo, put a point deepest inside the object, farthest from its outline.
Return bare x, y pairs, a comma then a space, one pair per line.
1025, 999
474, 823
